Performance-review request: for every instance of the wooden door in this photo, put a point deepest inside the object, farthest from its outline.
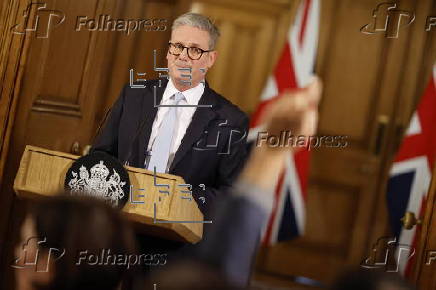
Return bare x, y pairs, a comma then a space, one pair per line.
371, 84
245, 54
425, 267
66, 78
56, 99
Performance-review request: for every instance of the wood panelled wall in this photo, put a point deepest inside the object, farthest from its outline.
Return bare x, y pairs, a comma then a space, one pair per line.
56, 91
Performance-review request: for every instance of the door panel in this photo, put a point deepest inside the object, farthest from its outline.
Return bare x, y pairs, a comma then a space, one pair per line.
68, 81
245, 53
365, 77
425, 266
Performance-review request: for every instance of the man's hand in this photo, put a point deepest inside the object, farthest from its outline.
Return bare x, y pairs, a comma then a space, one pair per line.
295, 111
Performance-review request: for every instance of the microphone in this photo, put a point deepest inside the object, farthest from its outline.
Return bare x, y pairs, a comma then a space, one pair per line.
100, 125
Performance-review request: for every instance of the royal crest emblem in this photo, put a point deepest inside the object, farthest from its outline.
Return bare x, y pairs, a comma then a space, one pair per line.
95, 182
101, 176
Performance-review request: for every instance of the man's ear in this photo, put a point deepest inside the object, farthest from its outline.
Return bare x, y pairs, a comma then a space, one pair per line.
213, 55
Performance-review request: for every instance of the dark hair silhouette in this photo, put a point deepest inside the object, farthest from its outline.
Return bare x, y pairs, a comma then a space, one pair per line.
83, 226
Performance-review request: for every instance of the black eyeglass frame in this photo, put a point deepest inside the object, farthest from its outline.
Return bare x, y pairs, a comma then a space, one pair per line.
187, 50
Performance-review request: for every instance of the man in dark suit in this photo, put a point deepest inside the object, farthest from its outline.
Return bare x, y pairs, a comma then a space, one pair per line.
180, 125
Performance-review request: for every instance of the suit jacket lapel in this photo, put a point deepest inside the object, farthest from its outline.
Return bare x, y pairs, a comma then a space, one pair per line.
149, 112
199, 122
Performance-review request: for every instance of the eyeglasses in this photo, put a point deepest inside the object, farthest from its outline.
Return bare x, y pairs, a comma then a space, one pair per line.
194, 53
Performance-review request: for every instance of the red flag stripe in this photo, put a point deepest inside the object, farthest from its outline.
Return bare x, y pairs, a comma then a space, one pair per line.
284, 72
423, 143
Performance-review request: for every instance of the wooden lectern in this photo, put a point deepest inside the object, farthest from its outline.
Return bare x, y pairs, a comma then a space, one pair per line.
172, 215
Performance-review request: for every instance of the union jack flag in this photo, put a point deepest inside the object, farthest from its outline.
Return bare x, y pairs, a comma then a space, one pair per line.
293, 70
410, 174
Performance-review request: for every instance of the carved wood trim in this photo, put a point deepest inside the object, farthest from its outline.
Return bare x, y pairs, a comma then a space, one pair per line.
47, 106
13, 56
12, 61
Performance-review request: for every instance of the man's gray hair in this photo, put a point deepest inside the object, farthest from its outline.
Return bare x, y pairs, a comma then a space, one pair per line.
200, 21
